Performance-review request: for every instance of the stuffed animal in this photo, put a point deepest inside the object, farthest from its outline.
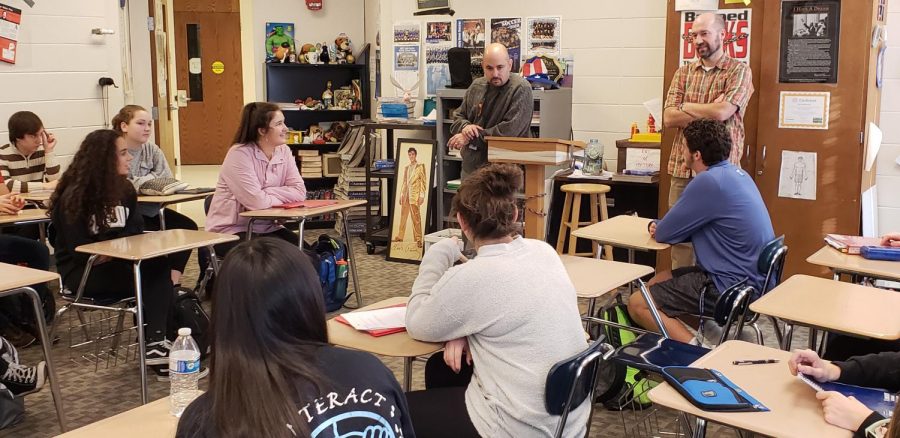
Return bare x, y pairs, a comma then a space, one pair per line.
344, 49
336, 133
306, 48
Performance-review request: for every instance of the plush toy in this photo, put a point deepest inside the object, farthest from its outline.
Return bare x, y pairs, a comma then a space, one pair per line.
304, 49
344, 49
336, 133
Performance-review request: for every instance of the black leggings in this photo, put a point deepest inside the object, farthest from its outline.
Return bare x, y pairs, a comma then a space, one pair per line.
281, 233
114, 280
440, 410
174, 221
16, 310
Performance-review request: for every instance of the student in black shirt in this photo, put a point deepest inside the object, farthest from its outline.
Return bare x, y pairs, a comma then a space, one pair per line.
273, 373
95, 202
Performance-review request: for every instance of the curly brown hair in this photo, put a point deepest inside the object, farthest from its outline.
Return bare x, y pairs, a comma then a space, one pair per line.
92, 187
710, 137
486, 200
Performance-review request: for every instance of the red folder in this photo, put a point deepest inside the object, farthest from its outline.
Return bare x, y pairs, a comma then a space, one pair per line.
379, 332
309, 203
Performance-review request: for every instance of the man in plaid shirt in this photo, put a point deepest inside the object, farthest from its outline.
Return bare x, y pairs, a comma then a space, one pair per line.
713, 87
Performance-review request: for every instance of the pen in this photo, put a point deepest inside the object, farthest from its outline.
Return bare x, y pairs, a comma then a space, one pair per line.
754, 362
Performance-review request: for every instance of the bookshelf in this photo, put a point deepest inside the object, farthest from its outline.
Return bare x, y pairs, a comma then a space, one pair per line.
285, 83
552, 119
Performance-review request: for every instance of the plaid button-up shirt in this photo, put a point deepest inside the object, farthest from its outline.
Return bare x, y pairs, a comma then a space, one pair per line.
692, 84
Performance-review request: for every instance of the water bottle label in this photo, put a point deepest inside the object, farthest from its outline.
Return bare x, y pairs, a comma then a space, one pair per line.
186, 366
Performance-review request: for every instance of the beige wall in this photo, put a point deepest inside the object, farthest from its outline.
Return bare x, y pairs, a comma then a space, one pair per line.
618, 49
58, 66
888, 171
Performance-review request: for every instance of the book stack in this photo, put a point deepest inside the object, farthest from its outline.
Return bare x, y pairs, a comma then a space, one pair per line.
352, 184
850, 244
310, 163
639, 176
453, 184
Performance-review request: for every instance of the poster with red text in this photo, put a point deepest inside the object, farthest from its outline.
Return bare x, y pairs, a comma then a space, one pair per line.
737, 35
10, 18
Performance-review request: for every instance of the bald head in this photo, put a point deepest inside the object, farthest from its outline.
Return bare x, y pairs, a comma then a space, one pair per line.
708, 31
496, 64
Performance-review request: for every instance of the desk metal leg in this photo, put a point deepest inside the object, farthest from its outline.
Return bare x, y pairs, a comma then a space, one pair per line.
652, 305
813, 339
142, 343
699, 428
352, 260
42, 229
213, 259
162, 218
250, 228
46, 345
631, 260
300, 232
788, 334
407, 373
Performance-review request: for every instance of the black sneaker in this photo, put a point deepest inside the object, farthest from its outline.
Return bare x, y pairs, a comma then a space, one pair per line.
21, 379
157, 353
162, 372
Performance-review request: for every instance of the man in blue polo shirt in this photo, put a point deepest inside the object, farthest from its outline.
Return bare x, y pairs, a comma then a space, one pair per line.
722, 213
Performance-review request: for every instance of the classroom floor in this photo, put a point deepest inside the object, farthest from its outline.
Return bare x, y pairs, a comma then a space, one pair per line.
90, 395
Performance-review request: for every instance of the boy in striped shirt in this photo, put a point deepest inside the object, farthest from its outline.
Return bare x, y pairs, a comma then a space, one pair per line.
27, 163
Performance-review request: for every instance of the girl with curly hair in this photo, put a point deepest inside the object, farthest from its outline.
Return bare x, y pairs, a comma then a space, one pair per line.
95, 202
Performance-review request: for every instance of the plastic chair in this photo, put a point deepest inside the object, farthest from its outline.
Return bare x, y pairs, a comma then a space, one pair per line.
572, 381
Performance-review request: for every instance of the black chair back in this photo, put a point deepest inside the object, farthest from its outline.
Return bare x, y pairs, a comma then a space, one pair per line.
571, 381
771, 262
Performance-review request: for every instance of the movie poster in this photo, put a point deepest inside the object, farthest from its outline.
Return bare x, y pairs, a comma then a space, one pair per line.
737, 35
279, 40
470, 34
438, 31
810, 35
543, 36
507, 31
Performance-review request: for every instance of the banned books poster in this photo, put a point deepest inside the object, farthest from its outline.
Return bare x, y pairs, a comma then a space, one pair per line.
737, 35
10, 18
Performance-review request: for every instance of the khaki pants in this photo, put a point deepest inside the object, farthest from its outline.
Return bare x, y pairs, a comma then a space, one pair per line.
682, 253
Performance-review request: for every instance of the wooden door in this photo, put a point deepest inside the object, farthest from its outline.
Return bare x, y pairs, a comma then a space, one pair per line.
208, 68
674, 41
836, 208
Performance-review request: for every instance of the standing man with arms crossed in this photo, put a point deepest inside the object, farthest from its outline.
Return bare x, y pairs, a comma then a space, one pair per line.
713, 87
496, 104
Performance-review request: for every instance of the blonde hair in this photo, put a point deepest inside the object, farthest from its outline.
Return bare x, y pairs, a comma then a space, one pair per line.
125, 115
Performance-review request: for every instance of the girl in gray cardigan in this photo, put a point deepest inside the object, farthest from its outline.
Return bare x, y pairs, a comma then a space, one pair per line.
511, 313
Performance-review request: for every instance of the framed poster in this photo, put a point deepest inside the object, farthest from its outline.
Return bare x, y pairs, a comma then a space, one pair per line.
810, 36
412, 203
804, 109
10, 18
279, 38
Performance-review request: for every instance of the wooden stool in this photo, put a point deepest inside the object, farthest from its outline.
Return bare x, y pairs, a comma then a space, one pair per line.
572, 211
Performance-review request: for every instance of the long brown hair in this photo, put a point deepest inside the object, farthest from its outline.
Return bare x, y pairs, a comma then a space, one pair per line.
125, 115
255, 116
92, 187
486, 200
268, 318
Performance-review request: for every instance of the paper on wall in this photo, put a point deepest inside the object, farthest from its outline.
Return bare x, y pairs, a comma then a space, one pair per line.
654, 107
798, 175
696, 5
873, 145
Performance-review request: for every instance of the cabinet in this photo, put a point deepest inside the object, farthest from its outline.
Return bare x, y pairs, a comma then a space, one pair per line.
552, 119
288, 82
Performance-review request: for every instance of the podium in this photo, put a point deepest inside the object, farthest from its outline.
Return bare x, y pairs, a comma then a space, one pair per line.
534, 154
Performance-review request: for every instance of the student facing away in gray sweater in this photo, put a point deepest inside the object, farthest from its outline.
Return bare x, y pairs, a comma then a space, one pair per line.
511, 312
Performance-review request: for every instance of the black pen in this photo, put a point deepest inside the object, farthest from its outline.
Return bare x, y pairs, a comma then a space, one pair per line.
754, 362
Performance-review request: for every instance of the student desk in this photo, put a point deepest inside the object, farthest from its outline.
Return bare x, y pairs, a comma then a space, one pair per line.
164, 201
18, 280
300, 215
148, 421
843, 263
394, 345
38, 197
147, 246
629, 232
595, 278
26, 217
795, 412
835, 306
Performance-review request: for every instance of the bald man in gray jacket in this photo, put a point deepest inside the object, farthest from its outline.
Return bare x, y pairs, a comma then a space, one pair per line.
496, 104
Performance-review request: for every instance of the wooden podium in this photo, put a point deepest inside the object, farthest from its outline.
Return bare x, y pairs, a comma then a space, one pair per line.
534, 154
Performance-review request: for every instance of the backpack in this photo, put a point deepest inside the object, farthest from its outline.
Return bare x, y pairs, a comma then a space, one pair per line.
333, 278
189, 313
618, 383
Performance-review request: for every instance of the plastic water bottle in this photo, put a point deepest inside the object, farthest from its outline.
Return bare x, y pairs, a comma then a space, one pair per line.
184, 371
341, 283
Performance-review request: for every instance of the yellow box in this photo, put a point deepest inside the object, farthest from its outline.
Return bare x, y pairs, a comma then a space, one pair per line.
654, 137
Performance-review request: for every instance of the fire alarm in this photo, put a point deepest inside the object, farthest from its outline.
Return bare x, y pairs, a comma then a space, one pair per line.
314, 5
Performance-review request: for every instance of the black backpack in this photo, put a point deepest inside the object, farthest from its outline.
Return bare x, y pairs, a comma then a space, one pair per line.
189, 313
327, 252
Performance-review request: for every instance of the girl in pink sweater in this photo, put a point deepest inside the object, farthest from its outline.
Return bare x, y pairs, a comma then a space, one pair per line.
259, 172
